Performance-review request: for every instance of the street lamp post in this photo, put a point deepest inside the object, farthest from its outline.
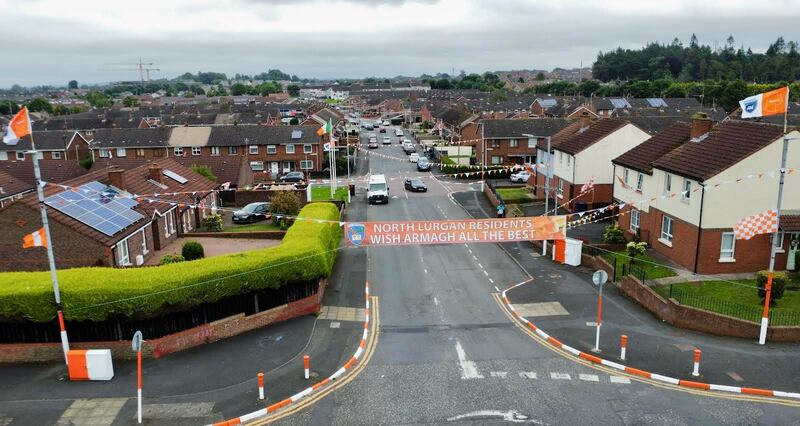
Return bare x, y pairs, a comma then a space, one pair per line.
546, 186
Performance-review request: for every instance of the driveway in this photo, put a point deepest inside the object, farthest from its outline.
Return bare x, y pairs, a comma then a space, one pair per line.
213, 246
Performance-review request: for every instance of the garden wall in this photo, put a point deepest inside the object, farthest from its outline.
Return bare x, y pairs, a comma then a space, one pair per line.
691, 318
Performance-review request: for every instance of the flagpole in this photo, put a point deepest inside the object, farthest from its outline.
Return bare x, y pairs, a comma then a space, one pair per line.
50, 257
762, 335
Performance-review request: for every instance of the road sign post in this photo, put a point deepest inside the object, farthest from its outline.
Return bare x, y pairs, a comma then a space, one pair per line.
136, 345
599, 278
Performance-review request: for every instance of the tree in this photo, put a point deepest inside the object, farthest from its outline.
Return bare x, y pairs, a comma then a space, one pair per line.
293, 90
269, 87
8, 107
294, 121
634, 249
282, 204
540, 76
204, 171
99, 99
520, 80
238, 89
61, 110
130, 101
40, 104
613, 234
72, 85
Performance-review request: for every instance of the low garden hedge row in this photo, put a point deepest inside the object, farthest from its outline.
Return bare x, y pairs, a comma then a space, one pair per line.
306, 253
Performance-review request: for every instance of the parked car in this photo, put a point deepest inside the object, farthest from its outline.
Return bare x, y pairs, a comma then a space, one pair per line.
387, 140
415, 185
372, 144
373, 135
252, 212
423, 164
408, 147
382, 130
414, 157
521, 176
386, 122
293, 177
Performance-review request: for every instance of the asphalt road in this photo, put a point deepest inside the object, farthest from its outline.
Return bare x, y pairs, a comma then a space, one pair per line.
448, 353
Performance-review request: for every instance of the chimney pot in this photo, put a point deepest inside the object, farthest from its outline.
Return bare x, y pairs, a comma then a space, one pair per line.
586, 120
701, 125
116, 178
155, 173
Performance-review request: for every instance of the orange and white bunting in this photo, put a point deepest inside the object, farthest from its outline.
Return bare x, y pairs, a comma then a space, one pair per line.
762, 223
35, 239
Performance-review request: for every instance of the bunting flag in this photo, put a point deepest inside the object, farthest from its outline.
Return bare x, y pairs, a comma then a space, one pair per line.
622, 182
326, 128
761, 223
769, 103
588, 186
18, 127
35, 239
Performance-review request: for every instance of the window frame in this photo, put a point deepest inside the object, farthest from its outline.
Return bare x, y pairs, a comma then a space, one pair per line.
498, 158
291, 145
252, 149
123, 261
101, 151
272, 149
122, 152
144, 242
261, 167
55, 155
513, 143
640, 182
309, 162
177, 151
232, 150
687, 190
196, 151
635, 214
727, 255
560, 190
215, 151
3, 155
307, 148
625, 175
667, 237
668, 183
139, 152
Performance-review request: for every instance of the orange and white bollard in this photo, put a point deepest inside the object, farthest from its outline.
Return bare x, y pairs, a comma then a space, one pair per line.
696, 370
307, 366
261, 386
623, 346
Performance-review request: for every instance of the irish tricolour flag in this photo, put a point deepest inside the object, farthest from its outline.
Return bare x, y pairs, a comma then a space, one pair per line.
326, 128
18, 127
769, 103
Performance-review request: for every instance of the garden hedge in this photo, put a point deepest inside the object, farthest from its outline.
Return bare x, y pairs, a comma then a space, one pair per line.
307, 252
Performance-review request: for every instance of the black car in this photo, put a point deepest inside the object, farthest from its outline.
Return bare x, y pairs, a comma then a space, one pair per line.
382, 130
415, 185
293, 177
252, 212
423, 164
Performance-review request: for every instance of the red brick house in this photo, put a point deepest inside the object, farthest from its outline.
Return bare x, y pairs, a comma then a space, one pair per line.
507, 141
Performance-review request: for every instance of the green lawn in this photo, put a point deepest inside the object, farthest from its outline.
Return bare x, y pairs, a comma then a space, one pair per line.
515, 195
258, 226
331, 101
738, 300
643, 262
323, 193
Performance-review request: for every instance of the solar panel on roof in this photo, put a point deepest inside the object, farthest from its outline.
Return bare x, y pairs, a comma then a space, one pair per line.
547, 103
297, 134
656, 102
620, 103
174, 176
98, 206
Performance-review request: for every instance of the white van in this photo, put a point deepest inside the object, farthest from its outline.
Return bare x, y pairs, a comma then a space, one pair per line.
378, 191
399, 133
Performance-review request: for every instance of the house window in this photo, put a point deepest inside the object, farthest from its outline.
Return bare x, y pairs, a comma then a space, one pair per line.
123, 257
634, 220
178, 151
144, 242
497, 159
495, 144
195, 150
290, 149
139, 152
306, 149
532, 143
560, 187
306, 165
560, 158
231, 150
666, 230
56, 155
687, 189
257, 166
253, 149
122, 152
727, 247
288, 166
158, 152
569, 159
171, 221
3, 155
625, 176
779, 245
513, 143
668, 183
102, 153
272, 149
214, 150
639, 182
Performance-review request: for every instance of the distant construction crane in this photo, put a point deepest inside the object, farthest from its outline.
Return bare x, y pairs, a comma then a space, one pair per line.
143, 68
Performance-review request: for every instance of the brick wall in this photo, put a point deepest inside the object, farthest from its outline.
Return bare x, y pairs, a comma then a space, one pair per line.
490, 196
695, 319
72, 249
155, 348
684, 240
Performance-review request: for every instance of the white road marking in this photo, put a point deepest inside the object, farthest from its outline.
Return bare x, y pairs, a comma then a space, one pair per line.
495, 287
560, 376
590, 323
469, 250
492, 281
485, 273
500, 374
589, 377
435, 301
479, 265
469, 369
509, 416
527, 374
620, 380
426, 271
335, 324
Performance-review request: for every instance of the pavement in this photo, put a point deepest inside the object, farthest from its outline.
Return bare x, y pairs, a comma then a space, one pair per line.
563, 302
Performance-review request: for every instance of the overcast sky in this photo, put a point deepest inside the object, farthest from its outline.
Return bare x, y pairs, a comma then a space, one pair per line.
53, 41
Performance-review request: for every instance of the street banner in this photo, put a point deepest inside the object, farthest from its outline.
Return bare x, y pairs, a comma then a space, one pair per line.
498, 230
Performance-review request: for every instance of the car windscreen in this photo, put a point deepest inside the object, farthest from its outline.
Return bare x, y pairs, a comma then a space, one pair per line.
377, 187
250, 207
416, 182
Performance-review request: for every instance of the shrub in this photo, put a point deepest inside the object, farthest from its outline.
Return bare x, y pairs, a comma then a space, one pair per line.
613, 234
634, 249
204, 171
283, 203
171, 258
86, 163
307, 252
779, 281
213, 222
192, 250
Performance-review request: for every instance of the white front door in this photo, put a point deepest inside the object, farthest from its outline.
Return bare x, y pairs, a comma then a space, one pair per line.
287, 166
274, 168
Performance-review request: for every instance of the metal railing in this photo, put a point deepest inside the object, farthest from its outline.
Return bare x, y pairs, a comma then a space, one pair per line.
733, 309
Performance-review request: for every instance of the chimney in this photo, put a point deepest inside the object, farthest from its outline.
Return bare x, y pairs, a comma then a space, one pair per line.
155, 173
701, 125
586, 120
116, 179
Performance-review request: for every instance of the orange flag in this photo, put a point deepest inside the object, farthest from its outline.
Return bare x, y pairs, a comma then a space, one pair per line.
18, 127
36, 239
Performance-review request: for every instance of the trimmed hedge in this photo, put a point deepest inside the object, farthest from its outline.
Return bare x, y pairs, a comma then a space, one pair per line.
306, 253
